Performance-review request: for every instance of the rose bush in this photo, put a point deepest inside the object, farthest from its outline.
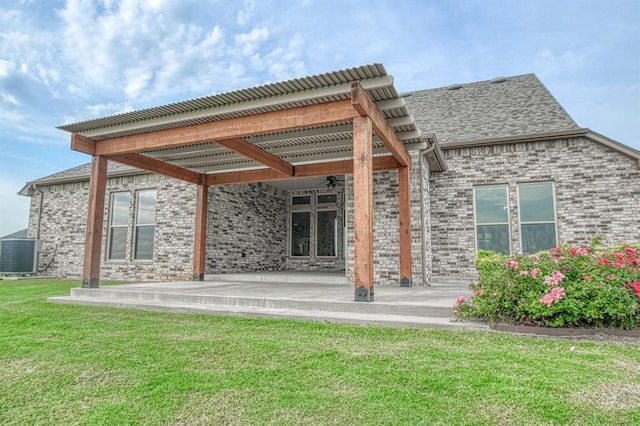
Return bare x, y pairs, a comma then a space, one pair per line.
562, 287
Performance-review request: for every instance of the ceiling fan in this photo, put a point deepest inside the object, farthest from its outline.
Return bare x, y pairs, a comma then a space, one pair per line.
333, 181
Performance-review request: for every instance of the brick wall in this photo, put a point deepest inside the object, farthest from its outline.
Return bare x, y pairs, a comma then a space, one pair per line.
63, 224
597, 194
246, 228
386, 258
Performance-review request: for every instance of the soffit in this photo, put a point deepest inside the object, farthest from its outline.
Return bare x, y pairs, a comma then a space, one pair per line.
315, 144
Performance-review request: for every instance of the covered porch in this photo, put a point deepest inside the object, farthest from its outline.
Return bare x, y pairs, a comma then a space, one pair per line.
350, 122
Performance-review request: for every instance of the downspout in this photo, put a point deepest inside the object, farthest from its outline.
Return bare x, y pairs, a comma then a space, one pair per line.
423, 231
41, 203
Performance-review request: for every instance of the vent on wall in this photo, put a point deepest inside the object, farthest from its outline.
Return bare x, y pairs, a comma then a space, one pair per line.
19, 256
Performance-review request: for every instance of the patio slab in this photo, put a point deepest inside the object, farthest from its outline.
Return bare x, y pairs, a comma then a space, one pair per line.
310, 296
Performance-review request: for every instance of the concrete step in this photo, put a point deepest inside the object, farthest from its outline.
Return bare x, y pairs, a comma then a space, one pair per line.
138, 295
448, 280
362, 318
280, 277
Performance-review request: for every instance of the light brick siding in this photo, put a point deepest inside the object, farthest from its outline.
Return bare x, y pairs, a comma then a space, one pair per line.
597, 194
246, 228
63, 224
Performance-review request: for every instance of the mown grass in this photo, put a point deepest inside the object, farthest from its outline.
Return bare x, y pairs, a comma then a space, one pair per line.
68, 364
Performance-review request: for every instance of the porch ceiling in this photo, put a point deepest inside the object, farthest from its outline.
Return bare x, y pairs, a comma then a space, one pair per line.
299, 146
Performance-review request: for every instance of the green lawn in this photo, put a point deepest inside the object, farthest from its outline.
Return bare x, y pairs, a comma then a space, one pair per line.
66, 364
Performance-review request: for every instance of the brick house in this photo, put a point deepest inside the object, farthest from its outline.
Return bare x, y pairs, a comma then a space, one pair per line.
494, 164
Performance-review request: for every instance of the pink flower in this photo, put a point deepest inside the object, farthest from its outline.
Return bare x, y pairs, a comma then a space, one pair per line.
460, 301
554, 279
583, 251
612, 277
587, 278
553, 296
630, 251
524, 273
534, 272
479, 292
513, 264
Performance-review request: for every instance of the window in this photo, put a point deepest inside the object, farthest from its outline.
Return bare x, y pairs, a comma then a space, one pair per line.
326, 232
492, 218
118, 226
300, 233
300, 200
145, 224
327, 198
537, 216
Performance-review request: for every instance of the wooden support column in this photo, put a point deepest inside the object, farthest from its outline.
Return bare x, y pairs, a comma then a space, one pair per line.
404, 208
200, 238
95, 220
363, 209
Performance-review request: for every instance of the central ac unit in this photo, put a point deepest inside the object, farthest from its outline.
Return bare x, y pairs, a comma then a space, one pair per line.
19, 256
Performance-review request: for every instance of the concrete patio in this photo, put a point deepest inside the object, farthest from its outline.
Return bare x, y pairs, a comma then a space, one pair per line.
308, 296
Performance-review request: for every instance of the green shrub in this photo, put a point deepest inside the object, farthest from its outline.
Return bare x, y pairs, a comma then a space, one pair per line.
562, 287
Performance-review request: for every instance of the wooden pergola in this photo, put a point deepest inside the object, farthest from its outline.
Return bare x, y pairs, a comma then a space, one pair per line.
232, 133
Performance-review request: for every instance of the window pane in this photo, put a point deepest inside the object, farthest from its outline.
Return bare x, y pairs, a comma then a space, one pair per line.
144, 242
326, 235
536, 202
493, 237
300, 233
146, 209
296, 201
327, 198
120, 208
118, 243
538, 237
491, 204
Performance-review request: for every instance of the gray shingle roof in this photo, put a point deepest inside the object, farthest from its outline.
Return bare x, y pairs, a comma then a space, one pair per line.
519, 105
19, 234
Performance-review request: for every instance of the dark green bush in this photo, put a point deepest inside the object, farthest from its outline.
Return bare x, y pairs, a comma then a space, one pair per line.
562, 287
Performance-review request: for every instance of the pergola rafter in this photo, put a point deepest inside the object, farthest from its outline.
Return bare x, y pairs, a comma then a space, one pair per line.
145, 151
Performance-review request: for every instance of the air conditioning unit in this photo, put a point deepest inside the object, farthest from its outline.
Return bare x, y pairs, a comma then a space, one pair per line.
19, 256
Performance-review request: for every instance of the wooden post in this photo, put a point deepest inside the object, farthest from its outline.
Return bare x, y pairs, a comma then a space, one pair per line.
363, 209
95, 221
404, 207
200, 238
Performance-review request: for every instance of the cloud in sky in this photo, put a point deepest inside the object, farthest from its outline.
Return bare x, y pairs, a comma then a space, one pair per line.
64, 61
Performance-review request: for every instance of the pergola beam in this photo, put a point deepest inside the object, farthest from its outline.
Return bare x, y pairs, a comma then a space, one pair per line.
157, 166
237, 127
258, 154
303, 171
365, 106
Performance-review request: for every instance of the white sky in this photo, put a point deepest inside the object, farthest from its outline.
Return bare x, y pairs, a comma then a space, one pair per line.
69, 61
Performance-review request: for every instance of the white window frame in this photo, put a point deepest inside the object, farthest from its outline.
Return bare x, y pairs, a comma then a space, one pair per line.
555, 212
111, 226
475, 219
136, 225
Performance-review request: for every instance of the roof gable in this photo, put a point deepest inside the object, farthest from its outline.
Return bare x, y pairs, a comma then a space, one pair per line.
500, 107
